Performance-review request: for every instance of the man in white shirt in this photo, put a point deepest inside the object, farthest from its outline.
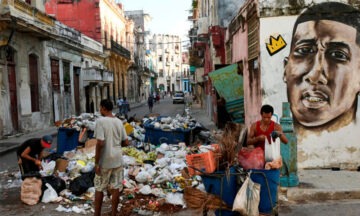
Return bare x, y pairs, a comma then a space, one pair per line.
111, 136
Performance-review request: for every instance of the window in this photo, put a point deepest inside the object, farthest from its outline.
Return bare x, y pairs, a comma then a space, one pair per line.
161, 73
66, 79
34, 83
160, 58
55, 80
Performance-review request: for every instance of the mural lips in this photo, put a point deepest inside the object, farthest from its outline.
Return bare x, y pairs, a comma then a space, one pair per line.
314, 99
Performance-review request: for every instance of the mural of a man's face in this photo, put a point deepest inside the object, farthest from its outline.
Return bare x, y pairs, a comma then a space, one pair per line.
322, 72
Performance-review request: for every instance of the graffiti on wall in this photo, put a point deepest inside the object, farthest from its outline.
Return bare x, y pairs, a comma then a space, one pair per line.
322, 70
275, 44
318, 73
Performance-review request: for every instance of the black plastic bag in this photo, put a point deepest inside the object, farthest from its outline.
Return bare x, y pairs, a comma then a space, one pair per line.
80, 184
57, 183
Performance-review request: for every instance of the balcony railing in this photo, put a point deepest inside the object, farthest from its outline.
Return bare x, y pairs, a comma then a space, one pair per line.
117, 48
91, 74
107, 76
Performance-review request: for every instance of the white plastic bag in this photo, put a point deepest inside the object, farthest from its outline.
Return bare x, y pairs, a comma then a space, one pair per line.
272, 150
49, 194
248, 198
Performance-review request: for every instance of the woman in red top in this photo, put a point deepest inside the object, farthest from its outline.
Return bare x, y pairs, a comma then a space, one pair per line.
261, 130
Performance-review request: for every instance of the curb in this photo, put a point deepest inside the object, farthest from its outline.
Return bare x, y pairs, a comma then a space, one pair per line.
294, 194
15, 144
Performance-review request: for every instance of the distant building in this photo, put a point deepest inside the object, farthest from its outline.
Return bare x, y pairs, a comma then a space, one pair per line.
138, 73
167, 51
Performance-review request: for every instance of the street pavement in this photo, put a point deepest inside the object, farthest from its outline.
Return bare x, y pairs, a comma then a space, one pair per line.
315, 184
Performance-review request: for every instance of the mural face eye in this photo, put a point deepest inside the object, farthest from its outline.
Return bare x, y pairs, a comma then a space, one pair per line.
304, 50
338, 55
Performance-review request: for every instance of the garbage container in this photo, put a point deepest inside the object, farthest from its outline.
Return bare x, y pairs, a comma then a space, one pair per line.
217, 183
269, 181
67, 139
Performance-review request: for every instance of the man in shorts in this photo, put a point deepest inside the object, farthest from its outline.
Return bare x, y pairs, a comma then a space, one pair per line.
111, 136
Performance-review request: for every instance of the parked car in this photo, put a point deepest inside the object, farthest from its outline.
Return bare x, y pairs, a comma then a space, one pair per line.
179, 97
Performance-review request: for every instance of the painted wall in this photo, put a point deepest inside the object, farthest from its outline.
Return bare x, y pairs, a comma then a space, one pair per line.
333, 144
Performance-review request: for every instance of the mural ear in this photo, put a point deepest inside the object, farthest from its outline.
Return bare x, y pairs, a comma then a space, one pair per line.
286, 60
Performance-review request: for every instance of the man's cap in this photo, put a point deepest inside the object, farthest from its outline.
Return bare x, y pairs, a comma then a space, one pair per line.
46, 141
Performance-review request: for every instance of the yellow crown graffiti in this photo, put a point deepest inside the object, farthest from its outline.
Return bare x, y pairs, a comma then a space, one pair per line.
275, 45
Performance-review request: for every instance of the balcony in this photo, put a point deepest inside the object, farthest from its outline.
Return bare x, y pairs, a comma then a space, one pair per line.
120, 50
91, 74
203, 26
168, 78
107, 76
67, 32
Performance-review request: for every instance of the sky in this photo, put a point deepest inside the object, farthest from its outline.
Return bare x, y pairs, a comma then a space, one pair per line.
168, 16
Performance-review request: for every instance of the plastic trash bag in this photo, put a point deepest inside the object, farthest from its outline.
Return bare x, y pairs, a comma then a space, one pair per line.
143, 176
272, 150
251, 158
145, 190
175, 199
248, 198
56, 183
50, 194
47, 168
88, 167
80, 184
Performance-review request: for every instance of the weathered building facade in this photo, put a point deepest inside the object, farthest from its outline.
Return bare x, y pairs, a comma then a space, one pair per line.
104, 21
138, 71
41, 68
207, 53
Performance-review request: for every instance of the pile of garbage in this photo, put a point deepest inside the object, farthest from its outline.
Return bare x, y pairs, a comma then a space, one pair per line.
169, 123
158, 176
84, 120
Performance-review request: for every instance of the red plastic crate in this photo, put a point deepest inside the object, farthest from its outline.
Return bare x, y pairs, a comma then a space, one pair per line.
205, 162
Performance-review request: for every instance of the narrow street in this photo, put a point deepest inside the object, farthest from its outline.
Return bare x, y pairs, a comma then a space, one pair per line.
10, 203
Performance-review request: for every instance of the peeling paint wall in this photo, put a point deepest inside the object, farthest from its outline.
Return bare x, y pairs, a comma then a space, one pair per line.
332, 144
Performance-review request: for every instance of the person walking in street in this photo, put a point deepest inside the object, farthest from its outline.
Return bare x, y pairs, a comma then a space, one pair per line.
109, 171
150, 102
125, 108
119, 104
30, 154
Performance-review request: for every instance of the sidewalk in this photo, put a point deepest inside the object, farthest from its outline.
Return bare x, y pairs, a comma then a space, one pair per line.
325, 184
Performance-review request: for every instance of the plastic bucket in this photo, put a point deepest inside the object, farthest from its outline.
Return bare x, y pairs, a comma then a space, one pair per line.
269, 181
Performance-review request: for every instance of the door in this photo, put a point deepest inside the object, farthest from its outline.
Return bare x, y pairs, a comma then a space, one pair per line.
13, 95
55, 82
34, 83
76, 84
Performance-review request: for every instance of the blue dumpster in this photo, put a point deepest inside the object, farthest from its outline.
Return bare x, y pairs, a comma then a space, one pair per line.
269, 181
67, 139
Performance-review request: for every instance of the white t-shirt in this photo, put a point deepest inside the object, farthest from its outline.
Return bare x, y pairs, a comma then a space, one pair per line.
112, 132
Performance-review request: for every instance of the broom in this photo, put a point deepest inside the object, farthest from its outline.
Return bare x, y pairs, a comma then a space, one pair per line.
197, 199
